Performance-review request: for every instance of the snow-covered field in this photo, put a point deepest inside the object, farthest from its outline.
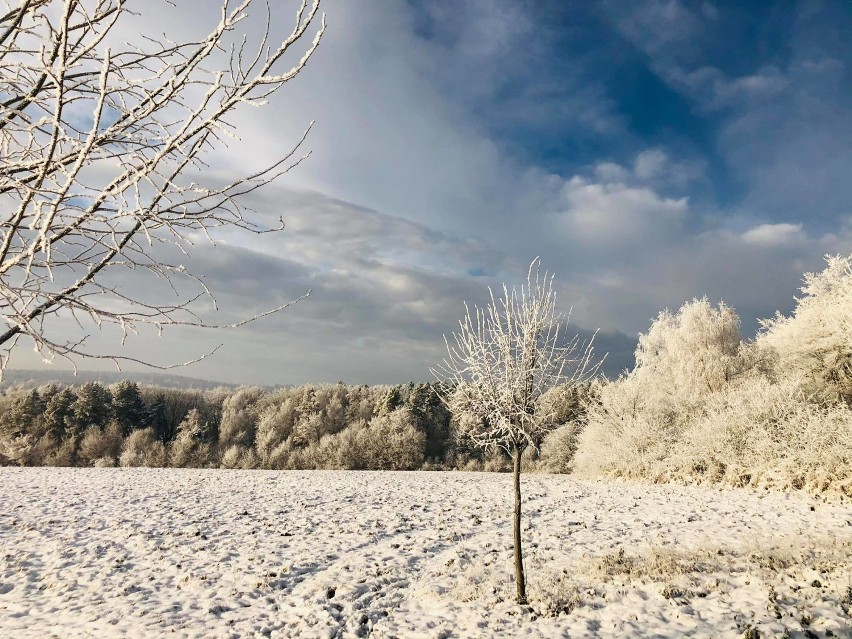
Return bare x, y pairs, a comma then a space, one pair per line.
199, 553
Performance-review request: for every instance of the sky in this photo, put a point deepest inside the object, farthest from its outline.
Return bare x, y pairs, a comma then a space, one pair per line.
648, 152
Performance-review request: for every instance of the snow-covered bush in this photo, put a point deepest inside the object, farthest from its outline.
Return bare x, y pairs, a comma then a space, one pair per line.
275, 425
558, 449
682, 361
17, 449
101, 445
815, 342
141, 448
237, 456
393, 442
766, 433
390, 441
704, 406
189, 449
239, 418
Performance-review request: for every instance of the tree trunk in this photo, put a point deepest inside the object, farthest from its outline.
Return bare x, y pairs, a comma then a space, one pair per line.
520, 578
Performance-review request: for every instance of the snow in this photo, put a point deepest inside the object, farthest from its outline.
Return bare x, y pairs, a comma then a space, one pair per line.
208, 553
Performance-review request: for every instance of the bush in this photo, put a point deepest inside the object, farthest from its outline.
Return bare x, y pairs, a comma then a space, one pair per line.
185, 451
101, 445
142, 448
815, 342
558, 449
239, 457
769, 434
701, 406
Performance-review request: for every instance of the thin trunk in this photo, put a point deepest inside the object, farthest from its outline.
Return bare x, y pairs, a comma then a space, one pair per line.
520, 578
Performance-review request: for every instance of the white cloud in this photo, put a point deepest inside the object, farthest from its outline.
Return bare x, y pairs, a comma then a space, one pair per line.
773, 234
649, 164
610, 214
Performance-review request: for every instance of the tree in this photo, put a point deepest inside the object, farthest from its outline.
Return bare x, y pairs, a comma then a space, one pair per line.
190, 448
683, 361
91, 408
26, 413
432, 418
142, 448
128, 409
499, 364
102, 163
158, 420
59, 413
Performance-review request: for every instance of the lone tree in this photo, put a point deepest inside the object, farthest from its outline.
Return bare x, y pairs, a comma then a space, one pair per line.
499, 364
101, 160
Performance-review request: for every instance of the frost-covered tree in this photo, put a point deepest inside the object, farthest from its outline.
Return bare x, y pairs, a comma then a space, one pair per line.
142, 448
102, 169
190, 448
393, 442
683, 359
59, 412
702, 405
101, 447
815, 342
499, 364
239, 418
25, 415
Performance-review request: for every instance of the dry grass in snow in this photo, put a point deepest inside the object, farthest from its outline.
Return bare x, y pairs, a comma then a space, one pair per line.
198, 553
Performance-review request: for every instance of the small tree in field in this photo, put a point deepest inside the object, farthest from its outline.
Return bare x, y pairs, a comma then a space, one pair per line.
499, 364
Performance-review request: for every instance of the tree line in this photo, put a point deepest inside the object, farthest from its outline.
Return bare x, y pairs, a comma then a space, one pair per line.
329, 426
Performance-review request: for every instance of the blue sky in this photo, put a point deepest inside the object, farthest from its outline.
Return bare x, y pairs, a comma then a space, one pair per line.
650, 152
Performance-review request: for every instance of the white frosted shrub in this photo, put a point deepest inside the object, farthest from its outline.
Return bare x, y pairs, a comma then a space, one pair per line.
389, 442
238, 457
279, 456
308, 428
558, 449
239, 419
185, 451
683, 359
395, 442
17, 450
699, 407
99, 445
815, 342
769, 434
142, 448
684, 356
275, 425
626, 434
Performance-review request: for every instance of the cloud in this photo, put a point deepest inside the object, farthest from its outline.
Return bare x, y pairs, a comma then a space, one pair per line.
773, 234
610, 215
454, 142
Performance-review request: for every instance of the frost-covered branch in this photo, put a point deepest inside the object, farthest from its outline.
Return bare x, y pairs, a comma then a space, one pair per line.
505, 356
102, 148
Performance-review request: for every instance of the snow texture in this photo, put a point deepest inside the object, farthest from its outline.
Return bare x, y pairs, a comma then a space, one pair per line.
199, 553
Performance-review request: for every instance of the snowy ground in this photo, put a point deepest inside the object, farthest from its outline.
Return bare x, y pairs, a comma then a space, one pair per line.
184, 553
